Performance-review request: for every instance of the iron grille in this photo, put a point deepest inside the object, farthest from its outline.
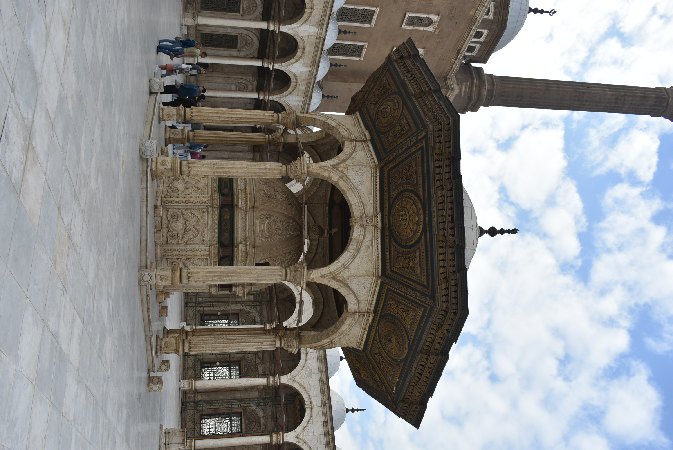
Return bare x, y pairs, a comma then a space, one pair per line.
347, 50
419, 21
220, 371
219, 424
220, 320
226, 6
228, 41
350, 14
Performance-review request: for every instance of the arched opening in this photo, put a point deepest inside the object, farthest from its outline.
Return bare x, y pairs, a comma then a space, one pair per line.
272, 82
286, 12
259, 364
328, 306
233, 413
260, 222
277, 47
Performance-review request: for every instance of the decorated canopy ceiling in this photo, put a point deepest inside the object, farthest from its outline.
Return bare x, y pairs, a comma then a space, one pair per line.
422, 299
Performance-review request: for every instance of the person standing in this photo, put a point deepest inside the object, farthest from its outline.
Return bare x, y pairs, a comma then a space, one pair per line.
184, 89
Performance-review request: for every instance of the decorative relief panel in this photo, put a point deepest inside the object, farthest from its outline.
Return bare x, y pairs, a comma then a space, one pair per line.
185, 225
185, 221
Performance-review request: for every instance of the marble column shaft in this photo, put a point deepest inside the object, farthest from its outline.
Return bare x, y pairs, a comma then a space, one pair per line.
273, 439
234, 23
227, 116
173, 167
199, 385
234, 339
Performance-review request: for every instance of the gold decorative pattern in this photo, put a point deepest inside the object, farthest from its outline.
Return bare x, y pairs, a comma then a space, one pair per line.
406, 218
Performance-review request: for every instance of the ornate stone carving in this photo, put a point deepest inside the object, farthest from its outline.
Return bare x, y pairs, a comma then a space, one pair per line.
155, 384
147, 277
406, 218
156, 85
149, 149
393, 337
164, 365
185, 226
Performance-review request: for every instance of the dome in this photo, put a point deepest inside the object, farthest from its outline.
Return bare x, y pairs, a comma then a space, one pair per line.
323, 68
333, 361
338, 410
518, 11
316, 98
278, 231
337, 5
332, 32
471, 228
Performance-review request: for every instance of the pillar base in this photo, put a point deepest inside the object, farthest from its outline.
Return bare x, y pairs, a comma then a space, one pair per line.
174, 439
176, 136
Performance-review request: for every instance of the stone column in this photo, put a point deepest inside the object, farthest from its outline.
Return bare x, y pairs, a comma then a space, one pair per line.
183, 136
227, 116
235, 94
199, 385
185, 279
474, 89
236, 61
235, 339
173, 167
273, 439
230, 22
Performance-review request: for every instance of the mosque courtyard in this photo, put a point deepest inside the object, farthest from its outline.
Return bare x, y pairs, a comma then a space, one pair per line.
73, 99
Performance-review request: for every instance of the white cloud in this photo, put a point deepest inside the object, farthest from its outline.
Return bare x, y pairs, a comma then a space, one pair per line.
632, 409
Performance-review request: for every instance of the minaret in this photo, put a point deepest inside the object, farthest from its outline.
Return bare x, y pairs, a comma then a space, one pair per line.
473, 89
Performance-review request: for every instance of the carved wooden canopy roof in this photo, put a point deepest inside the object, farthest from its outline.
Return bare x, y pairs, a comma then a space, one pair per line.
422, 300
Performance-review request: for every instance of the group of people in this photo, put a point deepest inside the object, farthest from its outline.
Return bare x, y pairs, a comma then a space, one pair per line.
180, 47
183, 94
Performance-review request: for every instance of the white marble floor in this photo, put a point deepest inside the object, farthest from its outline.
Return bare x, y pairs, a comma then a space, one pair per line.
73, 94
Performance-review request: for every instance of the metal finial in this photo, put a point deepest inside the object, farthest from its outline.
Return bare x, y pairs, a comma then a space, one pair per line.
347, 31
337, 65
541, 11
493, 231
354, 410
329, 97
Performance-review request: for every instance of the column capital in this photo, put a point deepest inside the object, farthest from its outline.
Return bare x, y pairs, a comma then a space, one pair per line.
277, 438
298, 170
288, 119
296, 274
288, 340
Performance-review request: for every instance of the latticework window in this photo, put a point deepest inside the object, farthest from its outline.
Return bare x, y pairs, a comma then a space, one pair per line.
228, 41
226, 6
357, 15
419, 22
426, 22
351, 50
220, 371
220, 320
219, 424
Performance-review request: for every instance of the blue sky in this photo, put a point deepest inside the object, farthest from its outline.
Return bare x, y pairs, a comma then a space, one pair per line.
569, 342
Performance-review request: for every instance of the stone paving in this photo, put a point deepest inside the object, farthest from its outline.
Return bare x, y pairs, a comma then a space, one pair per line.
73, 95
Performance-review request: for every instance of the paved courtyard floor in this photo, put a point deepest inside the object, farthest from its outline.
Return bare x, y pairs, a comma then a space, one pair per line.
73, 97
